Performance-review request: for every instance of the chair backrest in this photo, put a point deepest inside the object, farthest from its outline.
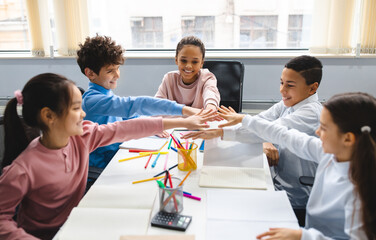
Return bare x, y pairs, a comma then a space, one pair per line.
229, 76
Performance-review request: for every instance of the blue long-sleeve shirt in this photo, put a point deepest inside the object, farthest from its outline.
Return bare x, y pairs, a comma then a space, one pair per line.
103, 106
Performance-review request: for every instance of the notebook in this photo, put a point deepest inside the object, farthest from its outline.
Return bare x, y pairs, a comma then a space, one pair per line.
152, 143
108, 212
232, 177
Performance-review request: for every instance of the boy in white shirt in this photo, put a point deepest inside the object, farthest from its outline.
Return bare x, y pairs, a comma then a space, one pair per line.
299, 109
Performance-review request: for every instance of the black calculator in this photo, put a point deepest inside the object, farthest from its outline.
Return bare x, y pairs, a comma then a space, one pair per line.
171, 221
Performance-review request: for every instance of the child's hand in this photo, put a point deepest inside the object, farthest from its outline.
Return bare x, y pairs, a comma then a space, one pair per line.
281, 233
271, 153
230, 115
205, 134
199, 120
163, 135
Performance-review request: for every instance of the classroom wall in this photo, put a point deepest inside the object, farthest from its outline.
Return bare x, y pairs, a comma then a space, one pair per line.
143, 76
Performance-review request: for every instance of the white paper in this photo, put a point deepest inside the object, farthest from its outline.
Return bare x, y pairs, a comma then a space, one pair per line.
104, 223
249, 205
241, 230
234, 154
232, 177
134, 196
152, 143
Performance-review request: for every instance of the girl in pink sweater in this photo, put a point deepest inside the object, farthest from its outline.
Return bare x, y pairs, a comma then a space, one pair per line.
190, 85
46, 176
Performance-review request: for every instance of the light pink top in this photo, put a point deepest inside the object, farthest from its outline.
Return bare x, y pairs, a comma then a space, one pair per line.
198, 94
49, 183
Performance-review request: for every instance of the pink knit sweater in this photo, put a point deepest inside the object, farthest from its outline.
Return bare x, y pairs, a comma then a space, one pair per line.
48, 183
198, 94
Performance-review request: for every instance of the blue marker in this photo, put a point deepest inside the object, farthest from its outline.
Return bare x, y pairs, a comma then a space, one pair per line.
174, 149
155, 161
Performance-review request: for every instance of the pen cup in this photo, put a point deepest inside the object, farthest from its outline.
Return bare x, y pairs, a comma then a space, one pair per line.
171, 198
187, 158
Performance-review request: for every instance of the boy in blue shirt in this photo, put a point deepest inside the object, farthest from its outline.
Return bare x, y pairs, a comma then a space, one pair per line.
299, 109
99, 59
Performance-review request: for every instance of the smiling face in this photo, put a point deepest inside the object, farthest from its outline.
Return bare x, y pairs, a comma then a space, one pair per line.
333, 140
294, 88
107, 77
189, 61
71, 123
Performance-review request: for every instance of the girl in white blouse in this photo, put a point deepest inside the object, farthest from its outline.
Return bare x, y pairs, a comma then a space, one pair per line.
342, 201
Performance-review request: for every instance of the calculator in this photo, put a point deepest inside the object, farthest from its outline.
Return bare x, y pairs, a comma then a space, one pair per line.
173, 221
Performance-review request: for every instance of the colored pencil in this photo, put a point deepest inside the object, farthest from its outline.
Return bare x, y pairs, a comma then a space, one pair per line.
165, 171
148, 179
148, 160
130, 158
192, 197
155, 161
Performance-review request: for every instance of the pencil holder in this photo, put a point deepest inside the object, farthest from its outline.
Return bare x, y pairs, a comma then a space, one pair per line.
187, 157
171, 197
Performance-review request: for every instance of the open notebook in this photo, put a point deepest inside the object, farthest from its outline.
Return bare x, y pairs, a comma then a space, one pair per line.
152, 143
108, 212
229, 164
232, 177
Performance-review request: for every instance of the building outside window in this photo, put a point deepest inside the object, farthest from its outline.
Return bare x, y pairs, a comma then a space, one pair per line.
147, 32
258, 31
13, 25
201, 27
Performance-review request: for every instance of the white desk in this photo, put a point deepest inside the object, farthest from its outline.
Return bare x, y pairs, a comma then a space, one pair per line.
124, 173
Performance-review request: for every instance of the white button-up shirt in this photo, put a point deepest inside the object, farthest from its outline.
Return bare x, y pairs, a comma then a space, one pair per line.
303, 116
333, 210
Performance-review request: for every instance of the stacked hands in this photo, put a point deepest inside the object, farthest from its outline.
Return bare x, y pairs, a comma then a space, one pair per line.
223, 113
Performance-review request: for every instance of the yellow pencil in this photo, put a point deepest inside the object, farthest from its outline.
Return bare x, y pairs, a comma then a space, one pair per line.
148, 153
130, 158
148, 179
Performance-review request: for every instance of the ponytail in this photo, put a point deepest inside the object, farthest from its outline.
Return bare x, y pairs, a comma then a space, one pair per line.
16, 134
363, 175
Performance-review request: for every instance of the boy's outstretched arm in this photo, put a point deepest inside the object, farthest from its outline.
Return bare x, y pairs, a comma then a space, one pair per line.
230, 115
205, 134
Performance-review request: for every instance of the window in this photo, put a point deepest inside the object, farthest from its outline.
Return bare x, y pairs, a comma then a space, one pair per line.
14, 33
258, 31
201, 27
296, 32
147, 32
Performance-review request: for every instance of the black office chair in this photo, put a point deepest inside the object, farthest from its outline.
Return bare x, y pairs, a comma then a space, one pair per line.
306, 180
230, 75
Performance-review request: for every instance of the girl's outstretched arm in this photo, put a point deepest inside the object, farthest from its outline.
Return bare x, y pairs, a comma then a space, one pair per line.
193, 122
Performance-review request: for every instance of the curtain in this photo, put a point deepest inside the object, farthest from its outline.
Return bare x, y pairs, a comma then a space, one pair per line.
332, 26
72, 25
367, 38
39, 27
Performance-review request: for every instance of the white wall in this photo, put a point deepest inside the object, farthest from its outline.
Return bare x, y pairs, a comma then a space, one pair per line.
143, 76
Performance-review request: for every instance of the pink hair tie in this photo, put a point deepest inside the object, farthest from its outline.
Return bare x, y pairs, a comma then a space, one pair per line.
18, 95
